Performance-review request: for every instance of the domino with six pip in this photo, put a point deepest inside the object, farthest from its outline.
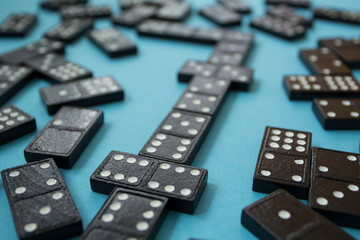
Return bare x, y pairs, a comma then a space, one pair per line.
174, 11
334, 190
337, 113
85, 92
58, 4
135, 15
221, 15
182, 185
346, 16
127, 214
85, 11
112, 42
65, 137
56, 69
40, 202
70, 29
288, 13
14, 123
281, 216
17, 25
293, 3
236, 5
284, 162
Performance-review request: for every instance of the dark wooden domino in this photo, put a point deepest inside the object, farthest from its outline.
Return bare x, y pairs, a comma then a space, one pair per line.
70, 29
126, 4
193, 68
135, 15
288, 13
279, 27
12, 79
112, 42
337, 113
14, 123
56, 69
293, 3
302, 87
85, 11
17, 25
323, 62
43, 46
182, 185
236, 5
56, 5
221, 15
241, 78
65, 137
281, 216
174, 11
347, 16
40, 202
86, 92
284, 162
127, 214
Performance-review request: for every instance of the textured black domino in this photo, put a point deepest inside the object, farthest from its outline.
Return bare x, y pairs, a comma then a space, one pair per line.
221, 15
230, 52
70, 29
288, 13
58, 4
17, 25
301, 87
279, 27
135, 15
65, 136
40, 202
193, 68
12, 79
337, 113
174, 11
182, 185
213, 86
85, 11
160, 3
112, 42
208, 35
241, 77
31, 50
347, 16
236, 5
293, 3
323, 62
128, 214
281, 216
56, 69
126, 4
14, 123
86, 92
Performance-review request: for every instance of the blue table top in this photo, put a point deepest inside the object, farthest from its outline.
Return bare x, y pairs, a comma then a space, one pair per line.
151, 89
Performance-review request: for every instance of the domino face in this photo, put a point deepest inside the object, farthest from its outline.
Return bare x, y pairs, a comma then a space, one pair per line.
56, 69
337, 15
128, 214
135, 15
112, 42
221, 15
293, 3
281, 216
193, 68
241, 46
182, 185
337, 113
65, 136
12, 79
86, 92
211, 86
174, 11
229, 58
69, 30
17, 25
85, 11
288, 13
14, 123
240, 77
236, 5
208, 36
58, 4
40, 203
126, 4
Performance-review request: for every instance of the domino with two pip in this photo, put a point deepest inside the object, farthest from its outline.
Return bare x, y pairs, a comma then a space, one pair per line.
17, 25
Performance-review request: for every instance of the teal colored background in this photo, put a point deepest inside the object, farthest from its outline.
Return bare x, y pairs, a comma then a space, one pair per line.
151, 89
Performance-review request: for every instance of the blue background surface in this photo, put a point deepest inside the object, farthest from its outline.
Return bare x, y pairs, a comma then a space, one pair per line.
151, 89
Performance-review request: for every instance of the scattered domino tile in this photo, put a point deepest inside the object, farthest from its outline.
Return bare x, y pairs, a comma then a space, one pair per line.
337, 113
58, 4
12, 79
222, 58
135, 15
85, 11
40, 202
127, 214
193, 68
160, 3
236, 5
240, 77
208, 36
31, 50
281, 216
14, 123
279, 27
126, 4
221, 15
86, 92
293, 3
174, 11
301, 87
112, 42
242, 47
65, 136
347, 16
70, 29
56, 69
213, 86
288, 13
284, 162
182, 185
17, 25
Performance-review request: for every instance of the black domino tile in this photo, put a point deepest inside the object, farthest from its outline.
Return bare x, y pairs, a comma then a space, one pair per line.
221, 15
213, 86
17, 25
346, 16
56, 5
293, 3
174, 11
193, 68
65, 137
86, 92
236, 5
126, 4
135, 15
14, 123
85, 11
40, 202
224, 57
288, 13
241, 77
208, 35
